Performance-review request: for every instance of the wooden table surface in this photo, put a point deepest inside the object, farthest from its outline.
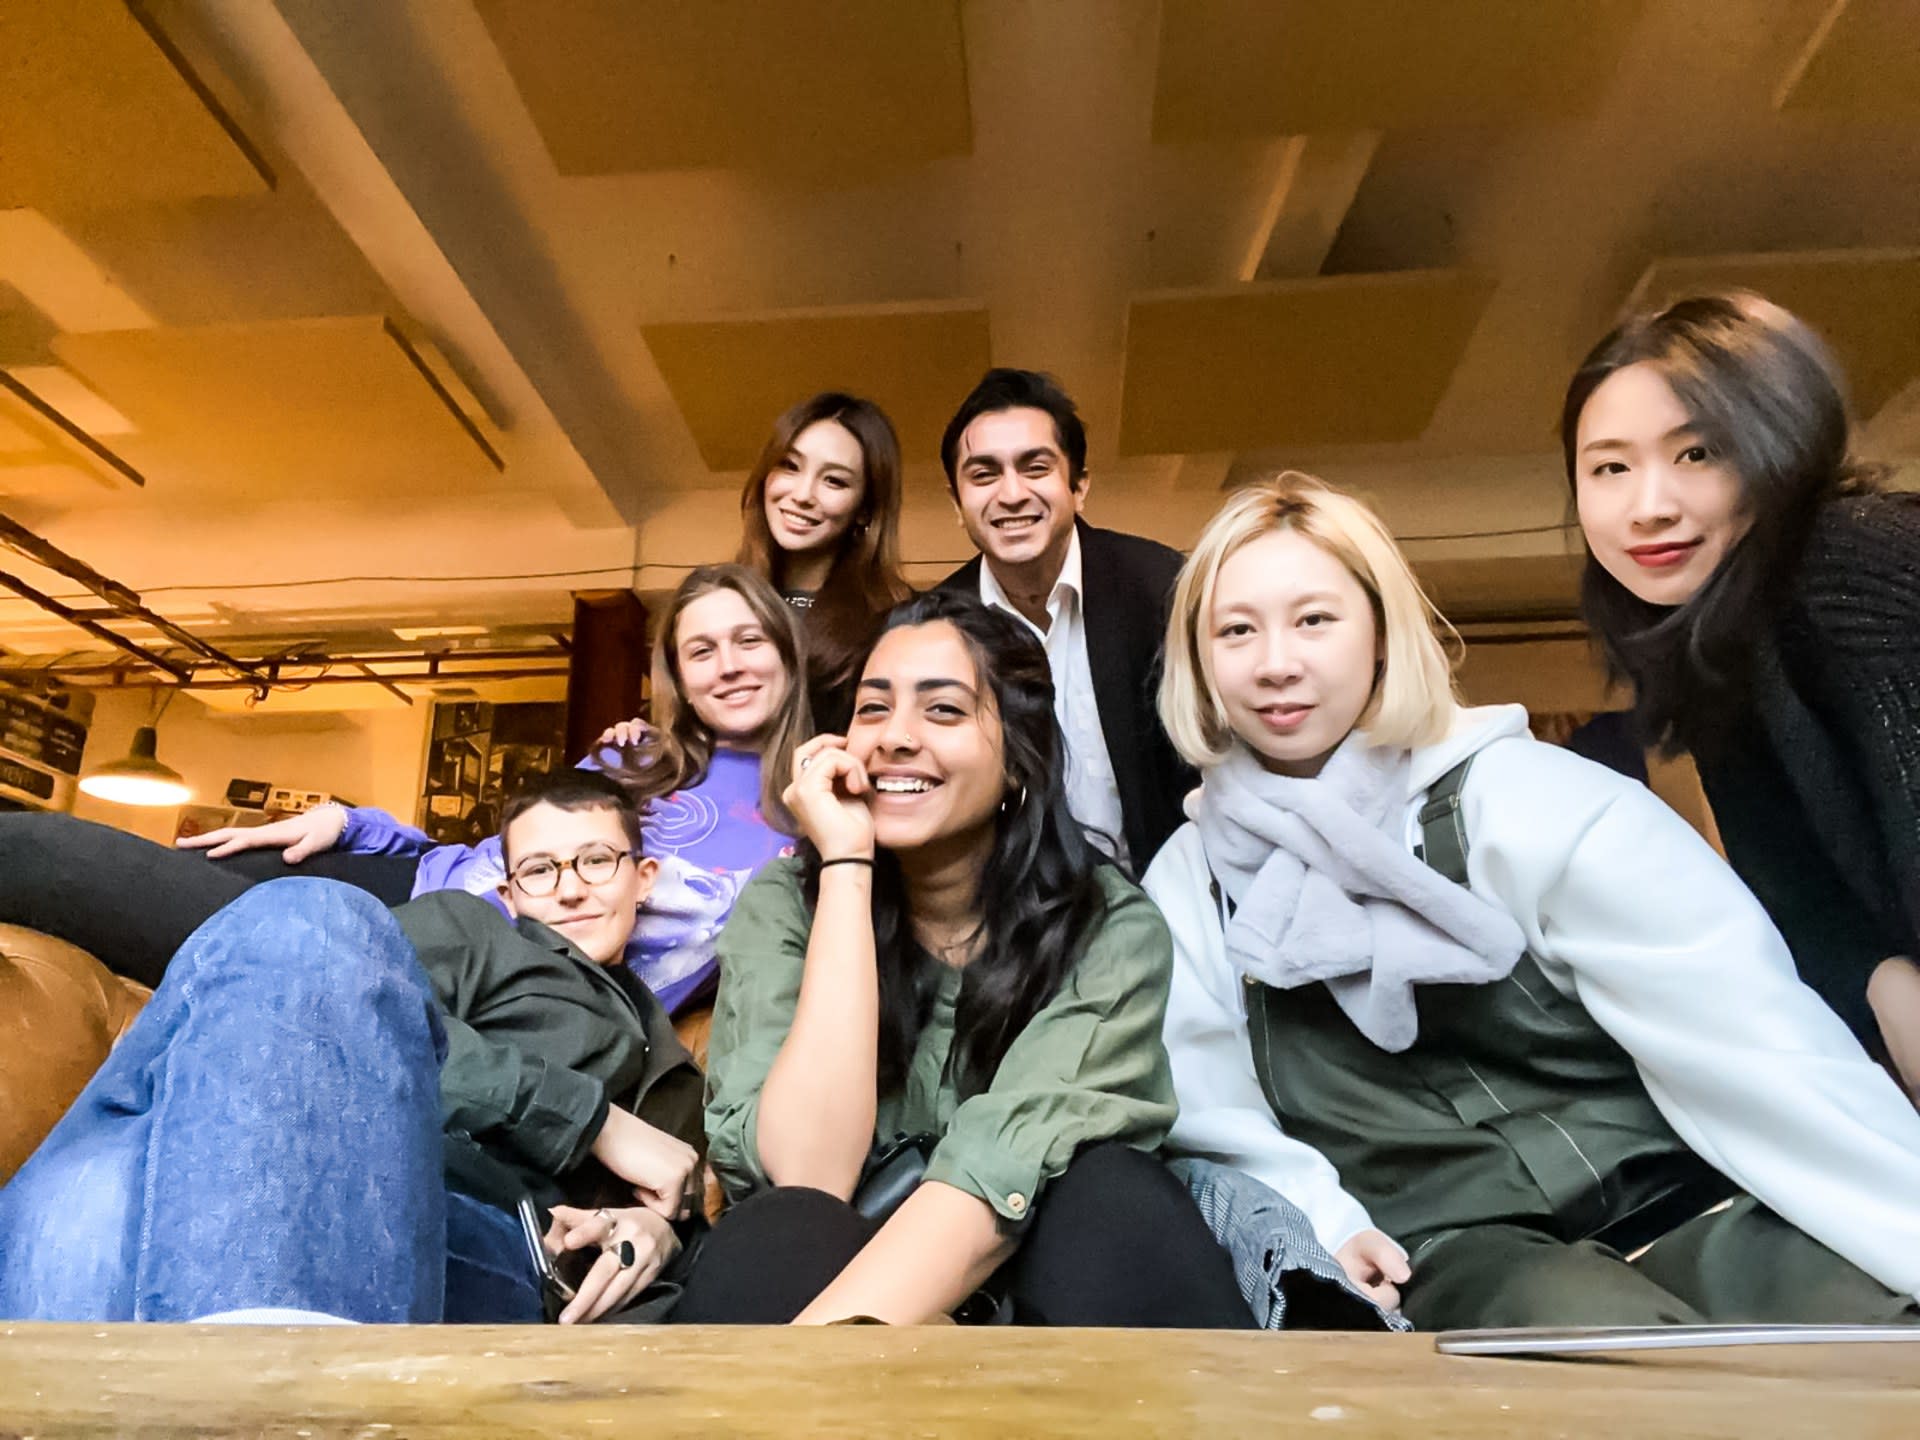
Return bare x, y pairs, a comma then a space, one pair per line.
157, 1381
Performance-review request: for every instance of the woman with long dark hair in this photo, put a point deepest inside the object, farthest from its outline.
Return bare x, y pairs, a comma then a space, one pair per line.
820, 519
950, 959
728, 711
1746, 576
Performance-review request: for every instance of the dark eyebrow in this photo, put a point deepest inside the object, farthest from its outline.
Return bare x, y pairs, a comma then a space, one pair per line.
921, 687
1039, 452
795, 455
1685, 428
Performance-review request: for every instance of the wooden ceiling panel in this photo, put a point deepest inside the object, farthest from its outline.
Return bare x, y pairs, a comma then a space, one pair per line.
246, 258
334, 408
730, 378
97, 110
1862, 62
1864, 303
1353, 359
836, 86
1506, 587
1291, 67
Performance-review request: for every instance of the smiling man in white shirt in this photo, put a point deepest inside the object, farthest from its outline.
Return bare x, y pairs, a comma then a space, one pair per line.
1016, 461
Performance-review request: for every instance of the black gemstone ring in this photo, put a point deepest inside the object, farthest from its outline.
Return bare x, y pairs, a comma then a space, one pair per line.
626, 1254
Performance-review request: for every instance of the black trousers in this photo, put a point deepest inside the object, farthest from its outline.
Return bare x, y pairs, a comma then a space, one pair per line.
131, 903
1115, 1241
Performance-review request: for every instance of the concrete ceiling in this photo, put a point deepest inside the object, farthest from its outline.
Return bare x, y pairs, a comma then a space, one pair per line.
426, 312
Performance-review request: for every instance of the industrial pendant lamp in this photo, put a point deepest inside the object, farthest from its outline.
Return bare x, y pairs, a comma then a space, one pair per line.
139, 779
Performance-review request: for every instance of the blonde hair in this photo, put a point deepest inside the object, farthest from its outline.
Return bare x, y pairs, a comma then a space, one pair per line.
1413, 699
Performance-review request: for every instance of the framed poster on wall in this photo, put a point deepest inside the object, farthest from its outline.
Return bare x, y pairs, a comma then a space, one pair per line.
477, 757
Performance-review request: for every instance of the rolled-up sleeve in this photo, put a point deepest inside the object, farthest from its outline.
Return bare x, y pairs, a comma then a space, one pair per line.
763, 953
1089, 1067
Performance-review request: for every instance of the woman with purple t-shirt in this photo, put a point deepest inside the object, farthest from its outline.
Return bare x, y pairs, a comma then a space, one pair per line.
724, 699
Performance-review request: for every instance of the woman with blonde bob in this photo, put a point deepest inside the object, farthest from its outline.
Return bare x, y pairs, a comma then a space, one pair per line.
1437, 980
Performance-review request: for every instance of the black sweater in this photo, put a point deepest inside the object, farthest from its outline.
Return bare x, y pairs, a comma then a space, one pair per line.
1817, 793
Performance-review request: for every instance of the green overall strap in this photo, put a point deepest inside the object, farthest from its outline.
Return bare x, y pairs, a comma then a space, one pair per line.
1443, 831
1546, 1150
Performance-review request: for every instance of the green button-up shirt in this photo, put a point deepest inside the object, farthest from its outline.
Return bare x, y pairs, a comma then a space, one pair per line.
1089, 1067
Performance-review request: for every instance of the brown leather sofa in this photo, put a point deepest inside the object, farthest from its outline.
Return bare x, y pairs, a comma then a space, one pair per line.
60, 1013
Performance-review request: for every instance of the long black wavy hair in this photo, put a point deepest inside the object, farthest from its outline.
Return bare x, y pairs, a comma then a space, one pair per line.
1769, 401
1039, 897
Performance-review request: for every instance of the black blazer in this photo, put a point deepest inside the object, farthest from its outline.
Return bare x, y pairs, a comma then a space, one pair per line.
1127, 584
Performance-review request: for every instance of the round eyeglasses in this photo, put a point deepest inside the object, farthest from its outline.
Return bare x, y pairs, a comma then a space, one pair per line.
540, 876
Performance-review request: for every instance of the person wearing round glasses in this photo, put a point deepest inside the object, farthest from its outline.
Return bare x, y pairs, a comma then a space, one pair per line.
335, 1109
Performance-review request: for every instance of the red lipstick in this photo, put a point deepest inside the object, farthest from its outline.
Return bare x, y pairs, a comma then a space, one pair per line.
1663, 556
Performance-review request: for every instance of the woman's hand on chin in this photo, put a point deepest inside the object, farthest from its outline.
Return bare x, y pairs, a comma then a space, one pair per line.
829, 796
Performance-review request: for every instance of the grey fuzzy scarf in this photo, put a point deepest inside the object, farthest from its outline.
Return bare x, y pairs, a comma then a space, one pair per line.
1324, 888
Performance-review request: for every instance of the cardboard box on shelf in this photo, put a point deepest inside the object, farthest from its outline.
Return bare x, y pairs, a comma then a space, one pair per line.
295, 802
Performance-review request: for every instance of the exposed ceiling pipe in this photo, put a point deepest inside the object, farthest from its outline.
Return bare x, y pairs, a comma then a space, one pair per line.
98, 680
418, 668
92, 627
44, 553
385, 684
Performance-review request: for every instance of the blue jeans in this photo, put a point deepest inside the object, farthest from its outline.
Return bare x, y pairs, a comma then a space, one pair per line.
1287, 1277
267, 1135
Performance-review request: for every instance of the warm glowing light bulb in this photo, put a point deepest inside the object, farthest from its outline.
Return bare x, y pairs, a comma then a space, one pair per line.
136, 789
139, 779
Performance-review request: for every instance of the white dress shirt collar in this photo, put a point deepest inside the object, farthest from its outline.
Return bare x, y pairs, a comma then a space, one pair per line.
1066, 585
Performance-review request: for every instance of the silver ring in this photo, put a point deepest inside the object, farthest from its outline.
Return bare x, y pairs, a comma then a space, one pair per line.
805, 760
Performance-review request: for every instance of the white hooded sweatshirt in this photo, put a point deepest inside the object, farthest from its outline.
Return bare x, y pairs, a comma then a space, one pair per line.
1627, 910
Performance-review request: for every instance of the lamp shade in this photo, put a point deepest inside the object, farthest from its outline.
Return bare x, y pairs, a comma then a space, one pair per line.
139, 779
